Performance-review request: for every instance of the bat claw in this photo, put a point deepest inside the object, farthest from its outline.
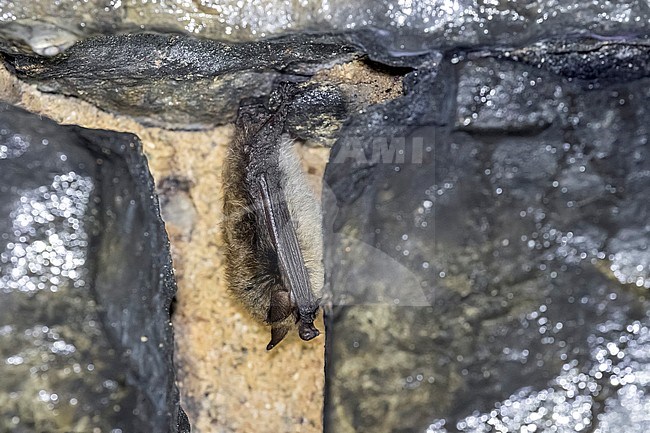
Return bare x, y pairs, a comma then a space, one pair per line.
277, 334
271, 345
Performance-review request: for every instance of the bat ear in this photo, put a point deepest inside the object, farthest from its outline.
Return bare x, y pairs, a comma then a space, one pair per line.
280, 307
277, 334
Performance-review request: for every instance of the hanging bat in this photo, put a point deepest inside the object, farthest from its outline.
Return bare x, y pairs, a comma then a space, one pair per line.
272, 226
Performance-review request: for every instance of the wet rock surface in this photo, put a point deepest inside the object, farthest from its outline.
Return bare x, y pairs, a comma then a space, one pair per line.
47, 27
85, 283
606, 59
178, 81
487, 257
487, 236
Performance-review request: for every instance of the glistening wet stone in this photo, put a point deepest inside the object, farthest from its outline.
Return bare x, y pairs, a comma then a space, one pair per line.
404, 27
487, 257
515, 261
177, 81
607, 59
85, 283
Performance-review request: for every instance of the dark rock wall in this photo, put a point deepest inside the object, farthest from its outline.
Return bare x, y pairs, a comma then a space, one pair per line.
403, 27
86, 283
178, 81
487, 253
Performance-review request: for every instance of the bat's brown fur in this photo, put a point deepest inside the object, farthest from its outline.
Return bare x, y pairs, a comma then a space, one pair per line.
251, 263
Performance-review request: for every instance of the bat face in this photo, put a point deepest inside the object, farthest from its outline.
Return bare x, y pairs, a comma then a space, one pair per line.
272, 228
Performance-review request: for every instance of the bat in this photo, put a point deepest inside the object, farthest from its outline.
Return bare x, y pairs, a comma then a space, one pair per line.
272, 226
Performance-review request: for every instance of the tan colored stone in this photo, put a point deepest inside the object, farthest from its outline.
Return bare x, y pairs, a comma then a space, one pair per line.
363, 84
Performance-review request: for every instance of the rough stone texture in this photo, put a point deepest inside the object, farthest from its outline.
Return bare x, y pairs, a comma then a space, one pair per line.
182, 82
86, 283
332, 95
398, 27
588, 57
220, 350
492, 276
494, 280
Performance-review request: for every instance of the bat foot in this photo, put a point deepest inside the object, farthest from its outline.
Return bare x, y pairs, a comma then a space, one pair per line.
308, 331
